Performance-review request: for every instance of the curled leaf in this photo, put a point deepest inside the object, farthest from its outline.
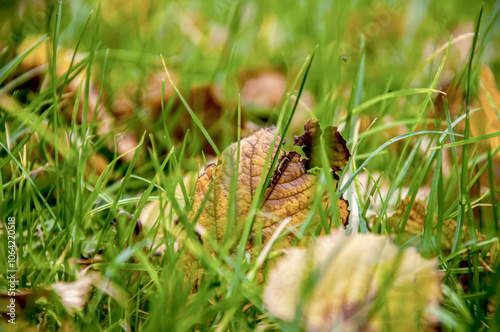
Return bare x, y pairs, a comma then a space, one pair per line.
336, 148
358, 282
291, 192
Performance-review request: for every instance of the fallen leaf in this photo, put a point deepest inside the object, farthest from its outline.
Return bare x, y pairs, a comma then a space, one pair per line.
290, 193
73, 295
37, 63
96, 164
310, 142
361, 282
151, 97
126, 142
123, 106
416, 220
205, 100
487, 120
262, 89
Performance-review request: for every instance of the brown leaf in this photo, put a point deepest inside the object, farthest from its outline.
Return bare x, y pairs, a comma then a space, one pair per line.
336, 147
37, 63
126, 142
416, 220
151, 98
291, 191
495, 254
263, 89
487, 120
96, 164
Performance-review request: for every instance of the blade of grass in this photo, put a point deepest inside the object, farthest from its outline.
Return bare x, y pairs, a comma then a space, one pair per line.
266, 176
463, 195
469, 141
193, 116
386, 144
389, 95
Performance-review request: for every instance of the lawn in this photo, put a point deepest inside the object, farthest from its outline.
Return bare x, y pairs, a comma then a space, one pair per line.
160, 171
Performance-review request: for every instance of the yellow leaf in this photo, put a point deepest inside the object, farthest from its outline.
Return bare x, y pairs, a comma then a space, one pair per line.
361, 282
416, 220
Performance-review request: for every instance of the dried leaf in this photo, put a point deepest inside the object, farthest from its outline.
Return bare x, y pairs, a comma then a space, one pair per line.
487, 120
351, 275
416, 220
73, 295
123, 106
37, 63
263, 89
96, 164
495, 254
153, 92
310, 141
126, 142
291, 191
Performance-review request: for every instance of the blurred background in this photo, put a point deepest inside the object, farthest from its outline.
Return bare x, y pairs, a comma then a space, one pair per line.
216, 50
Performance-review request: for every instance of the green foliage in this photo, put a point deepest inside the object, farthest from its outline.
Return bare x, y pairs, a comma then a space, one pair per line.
377, 70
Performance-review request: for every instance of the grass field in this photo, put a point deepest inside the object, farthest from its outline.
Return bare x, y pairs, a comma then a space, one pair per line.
111, 110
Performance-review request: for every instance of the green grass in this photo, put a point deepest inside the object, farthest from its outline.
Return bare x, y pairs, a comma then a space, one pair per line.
400, 62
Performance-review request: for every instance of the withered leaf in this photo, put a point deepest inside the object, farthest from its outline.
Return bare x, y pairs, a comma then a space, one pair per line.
487, 120
495, 254
291, 191
352, 273
262, 89
416, 220
74, 295
335, 147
